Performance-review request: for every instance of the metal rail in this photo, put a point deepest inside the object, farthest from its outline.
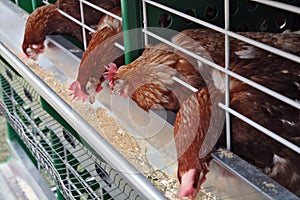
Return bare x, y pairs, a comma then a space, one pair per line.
140, 184
279, 5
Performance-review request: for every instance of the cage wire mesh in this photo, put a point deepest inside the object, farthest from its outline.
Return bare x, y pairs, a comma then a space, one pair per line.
66, 162
284, 17
173, 13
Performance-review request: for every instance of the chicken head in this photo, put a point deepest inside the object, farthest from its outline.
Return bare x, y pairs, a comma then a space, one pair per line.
33, 51
93, 87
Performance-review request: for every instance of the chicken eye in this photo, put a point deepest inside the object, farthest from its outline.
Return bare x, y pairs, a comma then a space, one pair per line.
89, 87
29, 50
119, 82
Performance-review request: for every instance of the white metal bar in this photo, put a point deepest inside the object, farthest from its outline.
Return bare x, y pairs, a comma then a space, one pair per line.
46, 2
17, 123
72, 18
145, 21
232, 74
119, 46
227, 78
262, 129
83, 29
101, 10
184, 84
75, 20
84, 26
265, 47
230, 33
77, 176
280, 5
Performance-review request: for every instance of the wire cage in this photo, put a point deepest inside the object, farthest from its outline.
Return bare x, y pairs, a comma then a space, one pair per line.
225, 17
76, 170
147, 22
218, 15
71, 166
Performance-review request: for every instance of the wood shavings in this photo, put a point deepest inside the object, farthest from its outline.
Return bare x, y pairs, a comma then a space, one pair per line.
224, 153
269, 185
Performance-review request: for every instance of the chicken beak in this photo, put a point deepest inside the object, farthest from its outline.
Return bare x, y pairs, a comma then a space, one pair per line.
92, 98
34, 57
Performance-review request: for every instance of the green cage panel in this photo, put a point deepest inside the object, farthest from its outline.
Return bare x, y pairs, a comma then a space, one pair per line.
244, 15
28, 5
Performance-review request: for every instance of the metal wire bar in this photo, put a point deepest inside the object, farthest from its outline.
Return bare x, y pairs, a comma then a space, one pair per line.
82, 23
119, 46
178, 80
102, 10
80, 179
83, 29
19, 126
86, 166
230, 73
33, 145
227, 78
262, 129
229, 33
279, 5
35, 128
85, 194
76, 21
145, 22
263, 46
73, 19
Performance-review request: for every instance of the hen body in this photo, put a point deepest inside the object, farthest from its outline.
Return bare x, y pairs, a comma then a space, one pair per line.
100, 52
195, 138
47, 20
149, 79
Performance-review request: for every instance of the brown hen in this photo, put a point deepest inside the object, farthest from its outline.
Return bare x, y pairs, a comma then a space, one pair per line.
100, 52
199, 122
149, 80
47, 20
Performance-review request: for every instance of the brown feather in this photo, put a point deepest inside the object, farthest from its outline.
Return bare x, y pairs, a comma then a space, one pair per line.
162, 91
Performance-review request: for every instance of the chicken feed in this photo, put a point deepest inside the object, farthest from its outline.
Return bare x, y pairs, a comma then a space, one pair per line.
103, 122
